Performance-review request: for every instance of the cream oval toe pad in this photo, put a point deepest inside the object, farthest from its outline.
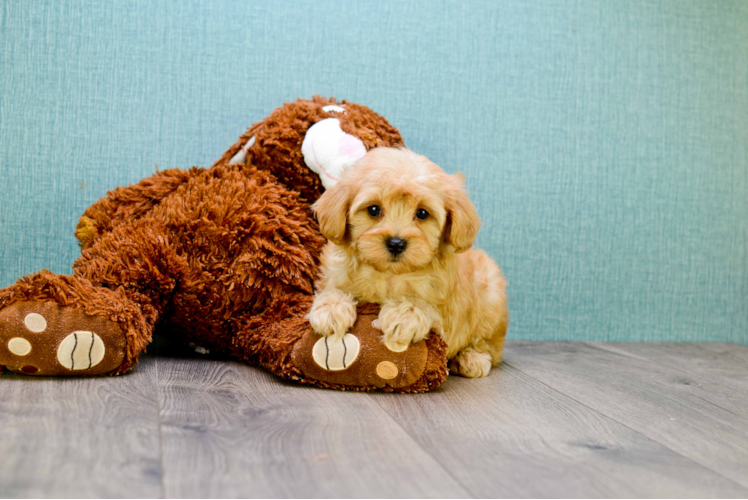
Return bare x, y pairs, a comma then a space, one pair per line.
336, 353
81, 351
19, 346
35, 322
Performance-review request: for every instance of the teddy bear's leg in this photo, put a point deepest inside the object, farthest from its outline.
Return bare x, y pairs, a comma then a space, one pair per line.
282, 341
127, 204
267, 339
96, 321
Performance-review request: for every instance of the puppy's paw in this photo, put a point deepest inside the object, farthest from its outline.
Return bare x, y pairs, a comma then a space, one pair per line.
333, 313
471, 363
403, 323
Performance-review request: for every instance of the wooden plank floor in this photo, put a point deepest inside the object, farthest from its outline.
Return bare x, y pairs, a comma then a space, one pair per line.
556, 420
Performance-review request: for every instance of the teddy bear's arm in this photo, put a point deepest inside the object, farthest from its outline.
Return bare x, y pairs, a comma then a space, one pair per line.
128, 203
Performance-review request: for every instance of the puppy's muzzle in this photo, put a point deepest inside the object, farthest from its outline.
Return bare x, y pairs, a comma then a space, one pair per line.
396, 246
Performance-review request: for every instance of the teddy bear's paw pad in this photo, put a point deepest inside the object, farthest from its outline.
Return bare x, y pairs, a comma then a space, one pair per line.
336, 353
387, 370
43, 338
373, 366
81, 351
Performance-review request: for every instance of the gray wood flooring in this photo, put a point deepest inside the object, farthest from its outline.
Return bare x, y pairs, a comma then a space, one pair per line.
558, 419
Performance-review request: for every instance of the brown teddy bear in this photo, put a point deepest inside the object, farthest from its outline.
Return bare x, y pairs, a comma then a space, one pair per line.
223, 258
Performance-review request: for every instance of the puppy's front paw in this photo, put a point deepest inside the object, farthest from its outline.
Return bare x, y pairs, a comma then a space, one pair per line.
403, 323
333, 313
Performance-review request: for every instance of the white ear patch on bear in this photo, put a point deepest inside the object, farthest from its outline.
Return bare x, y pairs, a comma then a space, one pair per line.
331, 108
328, 151
241, 156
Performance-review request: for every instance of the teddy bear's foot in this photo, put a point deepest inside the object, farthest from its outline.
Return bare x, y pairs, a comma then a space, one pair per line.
360, 360
66, 325
43, 338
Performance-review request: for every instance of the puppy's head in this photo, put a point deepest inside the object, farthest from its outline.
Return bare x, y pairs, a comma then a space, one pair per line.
398, 211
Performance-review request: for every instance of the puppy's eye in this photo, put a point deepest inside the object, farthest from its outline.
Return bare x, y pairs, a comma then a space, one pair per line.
374, 210
422, 214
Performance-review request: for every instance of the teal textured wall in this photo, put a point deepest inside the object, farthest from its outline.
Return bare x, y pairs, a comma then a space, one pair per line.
605, 143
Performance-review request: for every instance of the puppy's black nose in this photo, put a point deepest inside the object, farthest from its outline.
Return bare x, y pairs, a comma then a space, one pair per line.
396, 246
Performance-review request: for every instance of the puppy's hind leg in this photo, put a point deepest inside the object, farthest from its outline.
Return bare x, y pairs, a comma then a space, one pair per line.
471, 363
476, 360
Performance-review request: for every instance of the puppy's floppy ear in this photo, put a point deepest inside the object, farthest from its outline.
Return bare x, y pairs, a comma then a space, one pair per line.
332, 212
463, 222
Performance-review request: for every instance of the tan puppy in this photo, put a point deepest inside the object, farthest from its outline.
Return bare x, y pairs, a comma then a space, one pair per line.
400, 231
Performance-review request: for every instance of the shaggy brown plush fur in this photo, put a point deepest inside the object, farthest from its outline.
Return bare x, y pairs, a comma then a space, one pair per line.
225, 257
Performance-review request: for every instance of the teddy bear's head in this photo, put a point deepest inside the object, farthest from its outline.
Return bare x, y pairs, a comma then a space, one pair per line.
308, 143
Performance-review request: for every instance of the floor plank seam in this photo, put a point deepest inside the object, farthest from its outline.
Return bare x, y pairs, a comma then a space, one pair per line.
645, 436
160, 430
412, 437
594, 345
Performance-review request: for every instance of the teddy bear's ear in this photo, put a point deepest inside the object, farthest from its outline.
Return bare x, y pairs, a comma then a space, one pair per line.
463, 222
332, 212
